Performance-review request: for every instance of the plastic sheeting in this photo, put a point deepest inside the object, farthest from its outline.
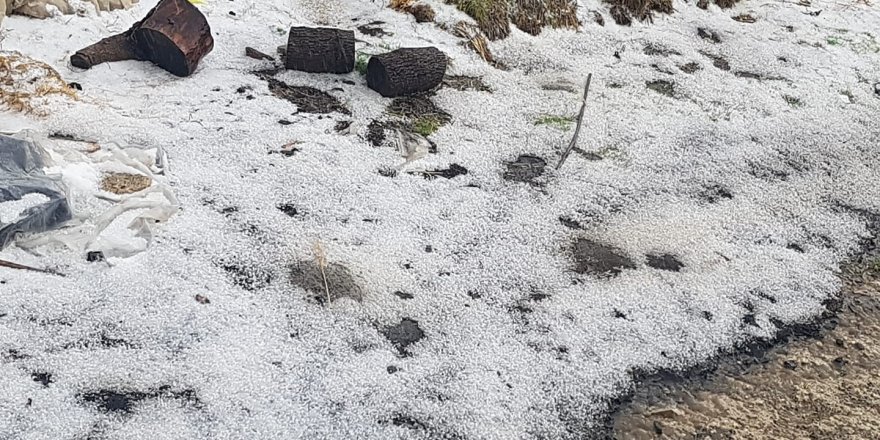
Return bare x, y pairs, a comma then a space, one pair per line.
21, 173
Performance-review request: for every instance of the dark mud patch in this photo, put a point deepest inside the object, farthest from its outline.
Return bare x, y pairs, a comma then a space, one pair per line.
376, 133
453, 171
333, 280
465, 83
593, 258
691, 67
123, 402
42, 378
709, 35
718, 61
307, 99
654, 49
666, 262
714, 193
246, 276
662, 86
403, 334
418, 107
526, 168
374, 29
815, 378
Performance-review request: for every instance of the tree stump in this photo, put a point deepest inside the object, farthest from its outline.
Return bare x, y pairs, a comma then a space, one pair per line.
320, 50
406, 71
174, 35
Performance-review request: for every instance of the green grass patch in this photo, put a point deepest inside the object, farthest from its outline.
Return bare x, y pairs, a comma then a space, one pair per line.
426, 125
560, 122
833, 41
360, 63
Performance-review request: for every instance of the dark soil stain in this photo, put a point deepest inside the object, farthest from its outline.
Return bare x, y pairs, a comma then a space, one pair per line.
403, 295
465, 83
123, 402
288, 209
665, 262
372, 29
691, 67
404, 334
247, 277
653, 49
376, 133
662, 86
416, 107
454, 170
715, 193
525, 168
307, 99
594, 258
335, 279
718, 61
570, 223
42, 377
709, 35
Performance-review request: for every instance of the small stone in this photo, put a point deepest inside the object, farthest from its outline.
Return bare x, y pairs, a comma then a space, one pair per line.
75, 86
597, 17
403, 295
284, 122
201, 299
859, 346
839, 342
95, 256
789, 365
703, 4
840, 362
877, 89
392, 369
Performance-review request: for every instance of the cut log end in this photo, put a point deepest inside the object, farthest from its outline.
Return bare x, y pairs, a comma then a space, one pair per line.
406, 71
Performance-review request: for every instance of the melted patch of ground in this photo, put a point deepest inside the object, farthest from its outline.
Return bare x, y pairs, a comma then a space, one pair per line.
819, 388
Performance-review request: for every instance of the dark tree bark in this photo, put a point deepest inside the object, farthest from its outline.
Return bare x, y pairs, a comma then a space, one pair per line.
175, 35
119, 47
320, 50
406, 71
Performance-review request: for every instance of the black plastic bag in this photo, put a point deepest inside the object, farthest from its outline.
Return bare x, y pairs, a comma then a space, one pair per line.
21, 173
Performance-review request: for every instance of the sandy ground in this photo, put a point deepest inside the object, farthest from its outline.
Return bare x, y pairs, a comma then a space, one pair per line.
824, 388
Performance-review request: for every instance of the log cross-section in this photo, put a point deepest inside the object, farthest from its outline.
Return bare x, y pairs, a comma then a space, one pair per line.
320, 50
406, 71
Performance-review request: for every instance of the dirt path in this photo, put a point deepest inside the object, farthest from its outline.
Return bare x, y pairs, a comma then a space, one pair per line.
818, 388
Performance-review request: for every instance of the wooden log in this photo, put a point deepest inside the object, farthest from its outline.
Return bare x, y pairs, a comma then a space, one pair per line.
320, 50
119, 47
175, 35
406, 71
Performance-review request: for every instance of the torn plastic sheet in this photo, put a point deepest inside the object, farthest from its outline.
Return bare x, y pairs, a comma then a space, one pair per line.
156, 204
21, 174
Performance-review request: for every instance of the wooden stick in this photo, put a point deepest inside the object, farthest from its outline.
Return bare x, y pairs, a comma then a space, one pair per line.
577, 129
11, 265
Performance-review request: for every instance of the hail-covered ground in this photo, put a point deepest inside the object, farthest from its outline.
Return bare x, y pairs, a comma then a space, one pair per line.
730, 171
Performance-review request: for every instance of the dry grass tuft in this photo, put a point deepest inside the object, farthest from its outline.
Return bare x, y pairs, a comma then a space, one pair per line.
321, 263
474, 39
123, 183
25, 83
624, 11
491, 15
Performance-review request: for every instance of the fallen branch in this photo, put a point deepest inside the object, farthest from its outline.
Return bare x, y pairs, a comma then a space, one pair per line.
11, 265
577, 129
